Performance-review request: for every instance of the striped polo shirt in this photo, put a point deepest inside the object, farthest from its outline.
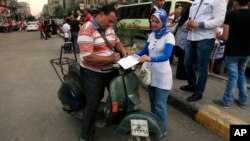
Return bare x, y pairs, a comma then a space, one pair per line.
90, 41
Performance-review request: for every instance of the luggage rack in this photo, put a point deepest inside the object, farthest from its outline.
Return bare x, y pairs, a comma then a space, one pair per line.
63, 61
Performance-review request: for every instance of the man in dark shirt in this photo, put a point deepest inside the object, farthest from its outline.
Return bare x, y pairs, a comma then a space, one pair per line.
75, 27
237, 53
46, 27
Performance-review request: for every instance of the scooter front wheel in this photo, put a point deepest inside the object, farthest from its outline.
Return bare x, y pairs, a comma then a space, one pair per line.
151, 137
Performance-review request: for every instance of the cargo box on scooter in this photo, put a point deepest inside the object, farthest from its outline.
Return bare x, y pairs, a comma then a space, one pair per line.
71, 94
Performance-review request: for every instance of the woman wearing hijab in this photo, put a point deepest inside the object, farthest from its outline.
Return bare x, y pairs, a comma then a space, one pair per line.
157, 51
181, 44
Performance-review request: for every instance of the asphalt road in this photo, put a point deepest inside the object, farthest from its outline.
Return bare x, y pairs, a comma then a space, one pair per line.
30, 109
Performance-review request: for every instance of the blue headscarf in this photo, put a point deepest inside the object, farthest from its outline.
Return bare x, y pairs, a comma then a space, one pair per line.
162, 16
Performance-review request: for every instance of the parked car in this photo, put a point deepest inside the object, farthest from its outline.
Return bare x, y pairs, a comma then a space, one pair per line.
32, 26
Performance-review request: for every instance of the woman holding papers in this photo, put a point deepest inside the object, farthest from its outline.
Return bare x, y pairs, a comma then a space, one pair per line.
157, 51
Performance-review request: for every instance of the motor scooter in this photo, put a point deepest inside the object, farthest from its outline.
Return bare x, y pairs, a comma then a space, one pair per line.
119, 106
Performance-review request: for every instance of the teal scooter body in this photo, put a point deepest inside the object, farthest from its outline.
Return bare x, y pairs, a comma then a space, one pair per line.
119, 107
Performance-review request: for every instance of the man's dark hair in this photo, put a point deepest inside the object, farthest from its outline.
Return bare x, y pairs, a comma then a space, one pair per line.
178, 5
106, 9
67, 20
75, 15
243, 2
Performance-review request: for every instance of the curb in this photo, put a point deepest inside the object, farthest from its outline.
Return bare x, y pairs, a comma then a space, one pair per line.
209, 116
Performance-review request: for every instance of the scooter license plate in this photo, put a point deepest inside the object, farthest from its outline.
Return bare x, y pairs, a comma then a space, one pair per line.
139, 127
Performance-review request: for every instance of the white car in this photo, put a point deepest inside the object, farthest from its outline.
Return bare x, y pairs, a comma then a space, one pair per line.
32, 26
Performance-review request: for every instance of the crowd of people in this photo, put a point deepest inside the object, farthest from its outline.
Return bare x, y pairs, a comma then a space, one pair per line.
47, 27
205, 34
71, 28
12, 25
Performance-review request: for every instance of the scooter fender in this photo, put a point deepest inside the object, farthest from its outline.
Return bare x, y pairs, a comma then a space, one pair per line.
154, 123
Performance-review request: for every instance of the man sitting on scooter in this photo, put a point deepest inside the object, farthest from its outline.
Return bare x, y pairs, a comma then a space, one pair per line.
98, 44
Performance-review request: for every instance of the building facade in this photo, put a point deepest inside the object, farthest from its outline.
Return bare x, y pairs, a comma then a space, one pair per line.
84, 4
23, 9
8, 8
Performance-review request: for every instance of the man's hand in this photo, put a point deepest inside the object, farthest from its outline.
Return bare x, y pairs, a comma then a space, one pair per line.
127, 52
120, 48
116, 57
192, 24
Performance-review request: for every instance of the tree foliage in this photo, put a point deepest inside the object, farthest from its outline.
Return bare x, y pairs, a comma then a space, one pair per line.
30, 18
59, 12
72, 8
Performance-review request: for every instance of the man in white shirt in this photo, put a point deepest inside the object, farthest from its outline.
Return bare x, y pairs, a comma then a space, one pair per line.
204, 17
67, 35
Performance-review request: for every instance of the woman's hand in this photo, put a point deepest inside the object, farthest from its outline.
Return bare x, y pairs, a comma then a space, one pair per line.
144, 58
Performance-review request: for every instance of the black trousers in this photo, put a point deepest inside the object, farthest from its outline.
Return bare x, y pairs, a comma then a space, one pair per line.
94, 84
180, 71
46, 32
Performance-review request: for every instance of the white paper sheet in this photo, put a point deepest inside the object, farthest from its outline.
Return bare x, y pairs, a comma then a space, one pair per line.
129, 61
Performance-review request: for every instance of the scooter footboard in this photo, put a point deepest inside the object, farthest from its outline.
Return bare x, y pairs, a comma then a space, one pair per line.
154, 123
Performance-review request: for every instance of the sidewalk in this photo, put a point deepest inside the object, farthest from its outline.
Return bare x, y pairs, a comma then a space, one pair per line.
213, 117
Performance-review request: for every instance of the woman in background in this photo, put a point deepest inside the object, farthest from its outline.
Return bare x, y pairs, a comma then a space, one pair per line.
181, 43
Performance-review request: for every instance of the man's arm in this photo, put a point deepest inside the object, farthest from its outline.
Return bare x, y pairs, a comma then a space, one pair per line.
225, 33
219, 12
121, 49
101, 60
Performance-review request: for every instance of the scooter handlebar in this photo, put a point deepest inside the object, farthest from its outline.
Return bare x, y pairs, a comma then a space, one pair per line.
114, 66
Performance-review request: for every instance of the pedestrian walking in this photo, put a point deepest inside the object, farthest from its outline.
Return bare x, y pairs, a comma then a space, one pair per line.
67, 35
237, 53
54, 27
46, 25
157, 51
40, 28
204, 17
75, 27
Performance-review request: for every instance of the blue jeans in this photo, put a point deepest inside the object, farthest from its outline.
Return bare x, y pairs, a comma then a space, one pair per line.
67, 46
75, 36
158, 100
198, 55
235, 67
